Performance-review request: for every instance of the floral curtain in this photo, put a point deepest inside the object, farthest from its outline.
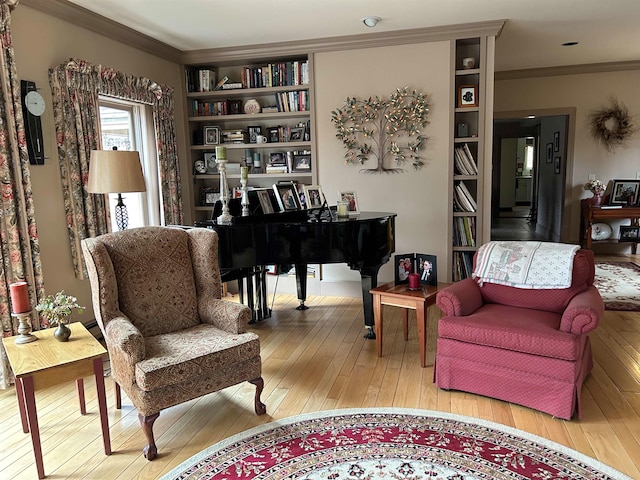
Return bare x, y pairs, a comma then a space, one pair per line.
19, 247
75, 86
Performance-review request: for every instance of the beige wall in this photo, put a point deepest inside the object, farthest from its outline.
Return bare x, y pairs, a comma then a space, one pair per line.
587, 93
418, 197
41, 42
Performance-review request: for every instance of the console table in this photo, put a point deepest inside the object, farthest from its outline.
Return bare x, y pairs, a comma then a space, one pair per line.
590, 214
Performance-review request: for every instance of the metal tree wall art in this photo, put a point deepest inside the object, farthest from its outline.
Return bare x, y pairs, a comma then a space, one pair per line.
383, 127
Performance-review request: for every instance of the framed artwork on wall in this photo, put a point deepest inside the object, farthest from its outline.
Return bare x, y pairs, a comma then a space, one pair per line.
467, 96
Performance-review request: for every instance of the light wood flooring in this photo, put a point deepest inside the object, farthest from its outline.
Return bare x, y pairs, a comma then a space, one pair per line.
319, 360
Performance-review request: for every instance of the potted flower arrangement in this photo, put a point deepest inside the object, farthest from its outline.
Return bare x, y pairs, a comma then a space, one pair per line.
598, 188
57, 308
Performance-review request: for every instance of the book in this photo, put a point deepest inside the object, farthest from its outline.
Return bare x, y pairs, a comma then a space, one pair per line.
222, 81
231, 86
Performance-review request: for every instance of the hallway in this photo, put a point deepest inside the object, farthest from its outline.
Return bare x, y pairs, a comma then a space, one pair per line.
515, 225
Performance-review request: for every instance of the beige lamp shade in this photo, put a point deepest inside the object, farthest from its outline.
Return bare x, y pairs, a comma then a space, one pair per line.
115, 171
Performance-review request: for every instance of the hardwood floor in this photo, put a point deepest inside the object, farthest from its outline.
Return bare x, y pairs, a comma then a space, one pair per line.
319, 360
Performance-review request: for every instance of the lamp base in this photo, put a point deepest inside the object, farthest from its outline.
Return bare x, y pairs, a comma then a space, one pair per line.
122, 216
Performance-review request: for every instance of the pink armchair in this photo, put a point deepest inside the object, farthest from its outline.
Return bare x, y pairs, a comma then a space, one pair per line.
156, 296
529, 347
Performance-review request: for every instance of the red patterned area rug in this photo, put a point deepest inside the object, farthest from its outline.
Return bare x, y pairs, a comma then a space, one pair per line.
619, 285
388, 443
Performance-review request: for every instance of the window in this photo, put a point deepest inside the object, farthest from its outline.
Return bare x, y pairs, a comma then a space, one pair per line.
528, 153
129, 126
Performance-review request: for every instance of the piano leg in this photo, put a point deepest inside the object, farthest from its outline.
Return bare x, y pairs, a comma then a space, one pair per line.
369, 280
301, 283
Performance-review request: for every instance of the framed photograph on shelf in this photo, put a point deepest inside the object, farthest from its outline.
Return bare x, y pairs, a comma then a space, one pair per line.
208, 196
253, 132
549, 152
624, 192
297, 134
301, 163
556, 164
287, 196
314, 196
556, 141
350, 197
629, 233
467, 96
211, 135
210, 162
273, 134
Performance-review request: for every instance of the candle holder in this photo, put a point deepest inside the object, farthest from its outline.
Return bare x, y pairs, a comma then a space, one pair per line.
24, 328
221, 158
245, 191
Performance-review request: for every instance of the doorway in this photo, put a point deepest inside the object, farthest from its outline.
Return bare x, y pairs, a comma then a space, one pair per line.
529, 170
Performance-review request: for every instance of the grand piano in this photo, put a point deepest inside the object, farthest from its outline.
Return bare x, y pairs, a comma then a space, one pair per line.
364, 242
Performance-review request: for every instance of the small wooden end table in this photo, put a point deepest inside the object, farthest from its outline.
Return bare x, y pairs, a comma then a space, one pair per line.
401, 296
47, 362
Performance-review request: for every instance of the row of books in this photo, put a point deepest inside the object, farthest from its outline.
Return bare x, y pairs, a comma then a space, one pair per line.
234, 136
200, 80
462, 265
210, 109
463, 201
296, 101
464, 162
281, 74
464, 231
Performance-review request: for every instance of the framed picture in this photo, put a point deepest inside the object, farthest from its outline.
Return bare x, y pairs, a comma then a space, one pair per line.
253, 132
301, 163
211, 135
404, 266
314, 196
629, 233
265, 201
352, 201
276, 158
549, 152
624, 192
427, 269
556, 164
297, 134
556, 141
273, 134
208, 196
210, 162
287, 196
467, 96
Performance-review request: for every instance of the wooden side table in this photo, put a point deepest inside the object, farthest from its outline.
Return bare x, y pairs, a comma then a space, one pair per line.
401, 296
47, 362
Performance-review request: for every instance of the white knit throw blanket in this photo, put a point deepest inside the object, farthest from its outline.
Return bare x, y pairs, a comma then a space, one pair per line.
532, 265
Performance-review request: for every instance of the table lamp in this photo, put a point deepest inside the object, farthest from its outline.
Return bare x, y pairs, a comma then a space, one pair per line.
116, 171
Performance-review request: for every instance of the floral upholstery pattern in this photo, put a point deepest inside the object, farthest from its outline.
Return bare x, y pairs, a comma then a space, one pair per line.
171, 338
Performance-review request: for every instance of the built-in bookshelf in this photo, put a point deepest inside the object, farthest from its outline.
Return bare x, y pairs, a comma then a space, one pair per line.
261, 111
467, 163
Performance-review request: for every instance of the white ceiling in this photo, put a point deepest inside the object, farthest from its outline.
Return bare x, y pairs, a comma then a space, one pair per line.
608, 30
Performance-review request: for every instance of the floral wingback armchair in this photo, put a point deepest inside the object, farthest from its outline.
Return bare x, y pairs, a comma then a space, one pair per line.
171, 338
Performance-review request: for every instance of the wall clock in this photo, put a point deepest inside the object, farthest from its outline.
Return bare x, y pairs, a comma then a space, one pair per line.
32, 109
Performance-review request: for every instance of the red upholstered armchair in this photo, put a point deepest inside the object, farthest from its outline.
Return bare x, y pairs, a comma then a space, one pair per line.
524, 346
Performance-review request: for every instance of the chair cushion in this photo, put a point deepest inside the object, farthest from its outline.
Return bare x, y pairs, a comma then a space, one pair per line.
156, 284
175, 357
551, 300
512, 328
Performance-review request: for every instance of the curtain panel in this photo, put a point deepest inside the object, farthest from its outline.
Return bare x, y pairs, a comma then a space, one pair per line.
19, 246
76, 86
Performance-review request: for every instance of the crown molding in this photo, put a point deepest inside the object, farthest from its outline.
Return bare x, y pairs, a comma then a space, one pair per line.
567, 70
347, 42
77, 15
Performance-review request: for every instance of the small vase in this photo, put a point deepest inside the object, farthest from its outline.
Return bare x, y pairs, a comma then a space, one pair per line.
62, 332
596, 200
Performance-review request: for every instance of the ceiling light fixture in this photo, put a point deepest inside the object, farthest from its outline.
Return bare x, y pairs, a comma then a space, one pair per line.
569, 44
371, 21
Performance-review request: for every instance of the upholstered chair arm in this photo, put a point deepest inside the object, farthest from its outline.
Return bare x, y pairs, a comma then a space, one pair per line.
460, 299
126, 348
583, 312
228, 316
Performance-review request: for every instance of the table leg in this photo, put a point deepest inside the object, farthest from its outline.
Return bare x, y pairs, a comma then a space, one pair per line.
23, 412
377, 316
80, 389
405, 323
32, 416
102, 404
421, 318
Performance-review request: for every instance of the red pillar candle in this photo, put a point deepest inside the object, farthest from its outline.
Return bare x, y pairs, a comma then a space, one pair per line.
414, 281
19, 297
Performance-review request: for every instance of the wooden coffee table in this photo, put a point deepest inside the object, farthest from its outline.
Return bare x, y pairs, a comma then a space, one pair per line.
401, 296
47, 362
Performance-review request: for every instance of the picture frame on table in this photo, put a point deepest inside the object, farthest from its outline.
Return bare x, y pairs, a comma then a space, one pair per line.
265, 200
404, 265
427, 268
556, 141
211, 135
556, 164
301, 163
629, 233
313, 195
287, 196
252, 132
351, 198
624, 192
467, 96
549, 152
